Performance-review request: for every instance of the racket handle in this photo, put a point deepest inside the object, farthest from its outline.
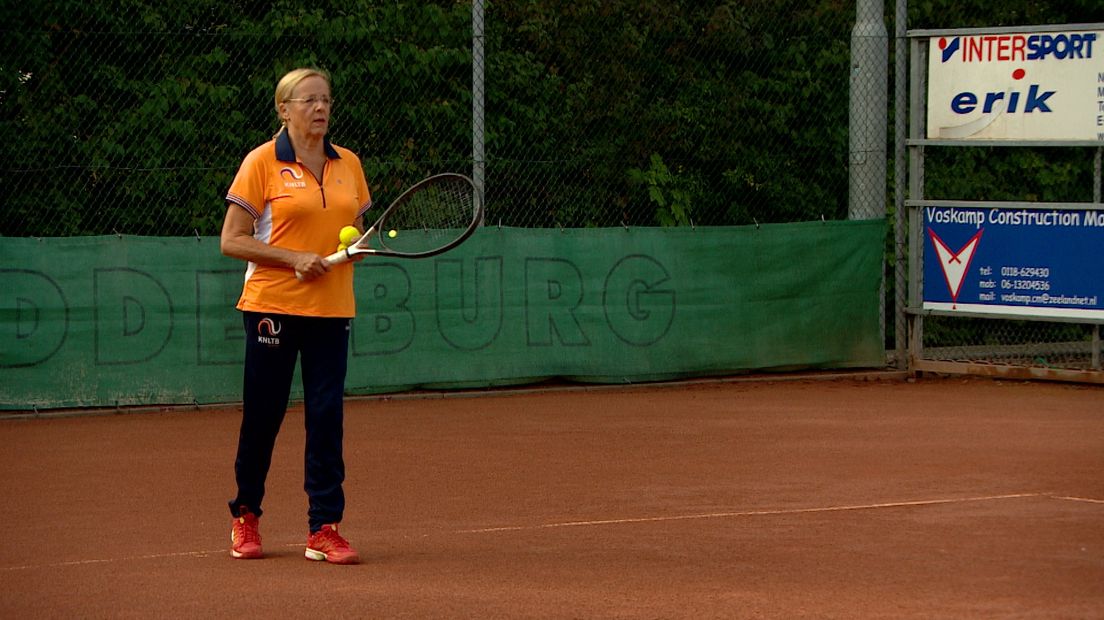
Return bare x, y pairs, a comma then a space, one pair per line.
338, 257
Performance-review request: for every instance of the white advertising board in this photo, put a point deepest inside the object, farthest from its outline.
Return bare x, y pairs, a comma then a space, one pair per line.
1020, 86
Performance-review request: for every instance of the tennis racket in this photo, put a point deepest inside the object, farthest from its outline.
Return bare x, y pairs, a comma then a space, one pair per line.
431, 217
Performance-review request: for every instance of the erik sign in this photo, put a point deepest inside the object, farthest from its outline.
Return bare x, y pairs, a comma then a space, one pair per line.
1017, 86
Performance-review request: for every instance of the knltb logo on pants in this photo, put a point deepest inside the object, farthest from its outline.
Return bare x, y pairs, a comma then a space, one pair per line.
267, 330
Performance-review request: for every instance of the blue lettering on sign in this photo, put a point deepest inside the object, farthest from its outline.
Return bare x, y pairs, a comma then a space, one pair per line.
967, 102
1025, 262
1018, 47
1061, 46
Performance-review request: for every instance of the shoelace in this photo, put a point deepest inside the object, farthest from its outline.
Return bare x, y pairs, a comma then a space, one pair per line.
247, 531
330, 536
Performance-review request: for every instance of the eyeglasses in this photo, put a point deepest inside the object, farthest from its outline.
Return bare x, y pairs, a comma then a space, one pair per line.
315, 100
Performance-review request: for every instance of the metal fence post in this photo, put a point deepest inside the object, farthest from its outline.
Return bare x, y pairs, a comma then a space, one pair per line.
868, 112
900, 174
478, 92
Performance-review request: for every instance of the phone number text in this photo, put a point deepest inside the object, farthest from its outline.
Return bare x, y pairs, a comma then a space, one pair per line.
1025, 272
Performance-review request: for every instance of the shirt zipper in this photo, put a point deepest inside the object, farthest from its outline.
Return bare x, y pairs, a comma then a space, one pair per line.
321, 186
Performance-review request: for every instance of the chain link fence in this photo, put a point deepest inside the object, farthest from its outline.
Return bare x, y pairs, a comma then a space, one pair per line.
1031, 173
974, 173
133, 119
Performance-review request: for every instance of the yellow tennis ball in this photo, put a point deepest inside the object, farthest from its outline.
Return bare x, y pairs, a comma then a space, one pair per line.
341, 246
348, 235
392, 233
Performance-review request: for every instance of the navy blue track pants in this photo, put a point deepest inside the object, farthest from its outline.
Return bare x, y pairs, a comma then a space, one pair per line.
273, 344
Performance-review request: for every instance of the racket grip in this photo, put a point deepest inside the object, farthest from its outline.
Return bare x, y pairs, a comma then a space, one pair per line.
338, 257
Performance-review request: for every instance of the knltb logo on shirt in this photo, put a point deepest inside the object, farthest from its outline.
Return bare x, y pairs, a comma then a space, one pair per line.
292, 178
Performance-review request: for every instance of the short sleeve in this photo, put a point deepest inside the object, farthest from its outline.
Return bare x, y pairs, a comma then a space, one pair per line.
248, 188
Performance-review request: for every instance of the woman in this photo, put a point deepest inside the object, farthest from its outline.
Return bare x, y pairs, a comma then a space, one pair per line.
290, 199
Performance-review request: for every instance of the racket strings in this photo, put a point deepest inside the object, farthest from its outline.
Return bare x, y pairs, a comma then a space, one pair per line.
430, 217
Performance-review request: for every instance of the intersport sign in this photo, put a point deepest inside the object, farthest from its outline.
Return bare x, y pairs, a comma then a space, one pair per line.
1016, 86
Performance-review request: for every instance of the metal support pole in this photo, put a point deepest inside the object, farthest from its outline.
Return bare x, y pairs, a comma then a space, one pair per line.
1097, 160
867, 122
478, 92
868, 111
1096, 347
917, 109
1097, 174
900, 175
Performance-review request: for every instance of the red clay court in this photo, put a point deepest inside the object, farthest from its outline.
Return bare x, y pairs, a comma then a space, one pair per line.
842, 498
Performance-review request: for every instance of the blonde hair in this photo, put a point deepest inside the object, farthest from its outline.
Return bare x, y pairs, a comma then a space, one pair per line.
287, 84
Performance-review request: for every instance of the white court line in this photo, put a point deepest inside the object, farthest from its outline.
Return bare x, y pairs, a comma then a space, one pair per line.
749, 513
516, 528
1078, 499
152, 556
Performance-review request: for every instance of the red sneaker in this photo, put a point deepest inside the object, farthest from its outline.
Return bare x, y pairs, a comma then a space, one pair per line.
245, 537
326, 544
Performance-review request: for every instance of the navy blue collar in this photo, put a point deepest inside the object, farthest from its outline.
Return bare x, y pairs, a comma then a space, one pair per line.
286, 152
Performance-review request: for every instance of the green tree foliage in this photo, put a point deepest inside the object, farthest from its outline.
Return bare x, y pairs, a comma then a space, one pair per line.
985, 13
731, 95
993, 173
132, 116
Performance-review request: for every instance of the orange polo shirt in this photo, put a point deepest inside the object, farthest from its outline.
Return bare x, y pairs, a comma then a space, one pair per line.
294, 210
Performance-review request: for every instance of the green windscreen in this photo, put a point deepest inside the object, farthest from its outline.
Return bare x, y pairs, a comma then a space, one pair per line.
114, 321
